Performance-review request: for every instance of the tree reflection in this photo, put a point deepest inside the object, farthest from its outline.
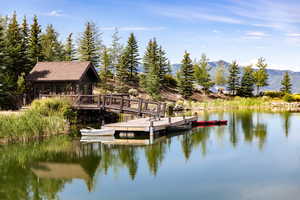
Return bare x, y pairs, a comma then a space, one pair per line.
233, 129
286, 122
155, 155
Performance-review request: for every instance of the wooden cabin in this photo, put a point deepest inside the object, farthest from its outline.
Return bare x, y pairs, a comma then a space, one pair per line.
62, 78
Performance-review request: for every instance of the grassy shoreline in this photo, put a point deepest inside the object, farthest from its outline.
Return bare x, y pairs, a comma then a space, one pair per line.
44, 118
238, 103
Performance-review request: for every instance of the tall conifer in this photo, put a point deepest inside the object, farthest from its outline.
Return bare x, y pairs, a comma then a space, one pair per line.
34, 47
69, 49
286, 83
52, 49
116, 50
90, 44
133, 57
247, 83
185, 76
233, 79
15, 53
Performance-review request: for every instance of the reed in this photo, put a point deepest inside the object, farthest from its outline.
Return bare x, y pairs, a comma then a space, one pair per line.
44, 117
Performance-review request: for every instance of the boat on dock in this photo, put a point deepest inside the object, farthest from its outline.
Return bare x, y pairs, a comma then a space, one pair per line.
97, 132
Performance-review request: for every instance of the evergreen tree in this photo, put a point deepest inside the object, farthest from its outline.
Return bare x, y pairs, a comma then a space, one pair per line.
233, 79
69, 49
220, 78
201, 73
34, 47
90, 44
25, 45
247, 83
2, 46
286, 84
185, 76
105, 65
52, 49
15, 54
133, 57
116, 50
164, 65
152, 69
261, 75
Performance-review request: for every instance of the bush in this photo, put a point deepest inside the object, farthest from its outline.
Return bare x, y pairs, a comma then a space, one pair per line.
288, 98
273, 94
45, 116
170, 80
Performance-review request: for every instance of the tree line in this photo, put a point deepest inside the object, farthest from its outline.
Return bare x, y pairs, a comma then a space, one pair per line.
23, 45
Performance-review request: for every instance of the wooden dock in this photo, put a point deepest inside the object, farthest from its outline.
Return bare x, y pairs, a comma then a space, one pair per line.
150, 125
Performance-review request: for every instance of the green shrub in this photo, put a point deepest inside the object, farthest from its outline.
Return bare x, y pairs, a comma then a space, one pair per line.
170, 80
273, 94
288, 98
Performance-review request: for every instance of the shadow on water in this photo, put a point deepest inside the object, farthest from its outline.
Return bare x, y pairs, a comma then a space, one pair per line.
42, 170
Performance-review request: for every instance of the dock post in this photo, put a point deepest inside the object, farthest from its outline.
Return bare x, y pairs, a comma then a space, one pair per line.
151, 129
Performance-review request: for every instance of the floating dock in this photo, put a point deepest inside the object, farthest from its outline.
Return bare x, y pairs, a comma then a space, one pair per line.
150, 125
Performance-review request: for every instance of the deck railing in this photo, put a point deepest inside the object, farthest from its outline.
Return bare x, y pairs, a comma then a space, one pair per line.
119, 102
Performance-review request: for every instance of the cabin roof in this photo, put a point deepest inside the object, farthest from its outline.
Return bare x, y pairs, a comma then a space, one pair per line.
62, 71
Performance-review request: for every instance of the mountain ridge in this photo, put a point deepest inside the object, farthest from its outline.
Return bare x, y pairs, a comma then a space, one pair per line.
275, 75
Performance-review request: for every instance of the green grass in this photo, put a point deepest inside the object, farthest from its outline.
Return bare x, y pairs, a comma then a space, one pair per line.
44, 117
235, 103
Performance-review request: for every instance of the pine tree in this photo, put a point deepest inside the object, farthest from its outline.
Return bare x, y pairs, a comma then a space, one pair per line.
220, 78
261, 75
201, 74
69, 49
122, 73
185, 76
34, 47
286, 84
116, 50
151, 62
105, 66
25, 45
90, 44
247, 83
133, 57
2, 46
233, 79
52, 49
164, 65
14, 51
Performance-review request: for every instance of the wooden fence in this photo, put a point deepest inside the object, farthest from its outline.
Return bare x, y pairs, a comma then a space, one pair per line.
117, 102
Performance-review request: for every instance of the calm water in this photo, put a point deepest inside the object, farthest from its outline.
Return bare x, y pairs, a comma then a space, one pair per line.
257, 156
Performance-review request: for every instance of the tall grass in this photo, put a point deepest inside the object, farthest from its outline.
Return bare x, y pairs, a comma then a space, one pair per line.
235, 103
44, 117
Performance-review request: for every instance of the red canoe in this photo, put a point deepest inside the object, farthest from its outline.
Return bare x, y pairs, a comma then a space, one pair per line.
209, 123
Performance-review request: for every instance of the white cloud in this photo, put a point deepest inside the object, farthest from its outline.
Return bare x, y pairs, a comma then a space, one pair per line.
256, 34
194, 14
55, 13
293, 34
133, 28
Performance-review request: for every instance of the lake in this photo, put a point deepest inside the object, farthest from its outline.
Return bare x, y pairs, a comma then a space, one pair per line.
256, 156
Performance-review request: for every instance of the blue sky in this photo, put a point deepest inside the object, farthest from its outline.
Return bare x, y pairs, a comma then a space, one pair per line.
241, 30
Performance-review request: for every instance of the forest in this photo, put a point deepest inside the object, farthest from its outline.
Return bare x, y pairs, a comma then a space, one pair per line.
23, 44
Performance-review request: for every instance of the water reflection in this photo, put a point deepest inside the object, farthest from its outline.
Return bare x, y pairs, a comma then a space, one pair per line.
43, 170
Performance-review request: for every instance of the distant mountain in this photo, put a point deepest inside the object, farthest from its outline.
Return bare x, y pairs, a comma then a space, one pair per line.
275, 76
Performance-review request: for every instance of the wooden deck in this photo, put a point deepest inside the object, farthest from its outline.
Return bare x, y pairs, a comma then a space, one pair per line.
150, 125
